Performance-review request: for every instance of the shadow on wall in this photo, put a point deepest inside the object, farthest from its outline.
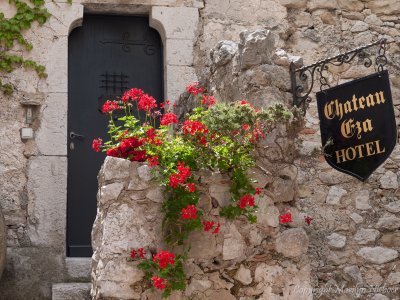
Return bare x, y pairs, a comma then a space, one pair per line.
3, 241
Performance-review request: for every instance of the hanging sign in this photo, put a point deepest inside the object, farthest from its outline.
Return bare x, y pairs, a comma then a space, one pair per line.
358, 128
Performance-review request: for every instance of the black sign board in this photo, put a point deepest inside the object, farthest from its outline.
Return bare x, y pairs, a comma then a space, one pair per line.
358, 128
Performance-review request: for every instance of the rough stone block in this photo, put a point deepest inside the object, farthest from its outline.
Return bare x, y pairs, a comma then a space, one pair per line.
378, 255
178, 22
71, 291
47, 186
179, 52
51, 136
178, 77
78, 267
292, 242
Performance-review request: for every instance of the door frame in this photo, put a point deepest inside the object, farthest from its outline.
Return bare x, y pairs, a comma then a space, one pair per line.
47, 170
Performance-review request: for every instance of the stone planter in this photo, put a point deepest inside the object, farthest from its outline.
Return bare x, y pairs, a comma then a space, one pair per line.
3, 241
237, 261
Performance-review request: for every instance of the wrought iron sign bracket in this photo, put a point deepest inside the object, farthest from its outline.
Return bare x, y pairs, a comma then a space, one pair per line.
303, 78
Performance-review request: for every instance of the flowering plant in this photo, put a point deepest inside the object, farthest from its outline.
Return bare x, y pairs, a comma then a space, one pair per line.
215, 136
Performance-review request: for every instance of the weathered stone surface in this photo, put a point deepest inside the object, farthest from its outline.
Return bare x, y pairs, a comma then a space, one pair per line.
234, 244
393, 207
334, 195
378, 255
110, 192
220, 295
293, 3
198, 285
393, 278
389, 180
255, 48
391, 239
362, 200
388, 222
3, 244
379, 297
116, 168
351, 5
366, 236
359, 26
336, 241
283, 190
221, 193
243, 275
292, 242
156, 194
223, 52
266, 273
321, 4
353, 274
383, 7
356, 218
71, 291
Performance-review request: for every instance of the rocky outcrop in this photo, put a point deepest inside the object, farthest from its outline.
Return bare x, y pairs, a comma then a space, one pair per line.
224, 265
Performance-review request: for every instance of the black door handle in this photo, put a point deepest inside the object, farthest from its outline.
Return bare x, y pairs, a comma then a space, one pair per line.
74, 135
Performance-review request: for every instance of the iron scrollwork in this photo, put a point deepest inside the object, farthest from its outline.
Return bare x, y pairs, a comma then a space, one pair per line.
303, 78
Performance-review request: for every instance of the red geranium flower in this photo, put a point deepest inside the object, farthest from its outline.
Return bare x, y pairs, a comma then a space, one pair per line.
192, 127
258, 191
191, 187
158, 282
96, 144
285, 218
141, 252
168, 118
216, 230
112, 152
153, 161
194, 88
208, 225
246, 200
174, 180
190, 212
208, 100
147, 103
133, 253
139, 155
109, 106
164, 258
308, 219
133, 94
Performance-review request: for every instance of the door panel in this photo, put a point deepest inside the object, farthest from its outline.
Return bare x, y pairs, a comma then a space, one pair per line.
107, 55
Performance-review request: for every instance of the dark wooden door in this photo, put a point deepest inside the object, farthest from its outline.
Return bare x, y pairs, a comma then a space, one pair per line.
107, 55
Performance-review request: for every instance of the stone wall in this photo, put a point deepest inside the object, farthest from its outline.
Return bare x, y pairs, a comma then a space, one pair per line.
243, 261
33, 173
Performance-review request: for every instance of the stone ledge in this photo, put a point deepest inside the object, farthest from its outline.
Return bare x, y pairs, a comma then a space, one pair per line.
71, 291
78, 267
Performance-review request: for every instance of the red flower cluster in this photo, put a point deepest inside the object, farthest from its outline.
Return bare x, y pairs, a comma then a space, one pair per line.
164, 258
168, 118
193, 127
308, 219
258, 191
190, 212
153, 161
208, 100
191, 187
109, 106
96, 144
132, 94
194, 88
138, 253
246, 200
158, 282
127, 149
285, 218
179, 178
147, 103
257, 134
208, 225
